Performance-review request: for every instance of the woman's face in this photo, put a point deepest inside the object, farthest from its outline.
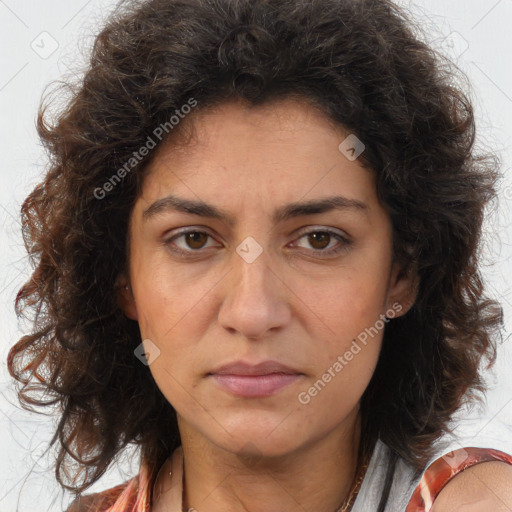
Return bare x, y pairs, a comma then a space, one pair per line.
265, 276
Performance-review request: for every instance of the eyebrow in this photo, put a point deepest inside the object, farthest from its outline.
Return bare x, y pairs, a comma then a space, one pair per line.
291, 210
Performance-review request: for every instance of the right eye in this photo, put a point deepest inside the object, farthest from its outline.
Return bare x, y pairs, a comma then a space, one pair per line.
192, 240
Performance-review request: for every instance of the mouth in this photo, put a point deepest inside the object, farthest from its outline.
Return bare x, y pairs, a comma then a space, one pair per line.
254, 380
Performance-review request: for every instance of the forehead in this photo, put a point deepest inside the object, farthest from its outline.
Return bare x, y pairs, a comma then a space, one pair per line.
286, 150
277, 121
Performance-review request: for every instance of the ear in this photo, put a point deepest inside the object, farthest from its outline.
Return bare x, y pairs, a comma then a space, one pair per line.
403, 288
125, 297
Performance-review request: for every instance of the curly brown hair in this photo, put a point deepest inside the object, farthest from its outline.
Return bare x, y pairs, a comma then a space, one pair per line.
361, 63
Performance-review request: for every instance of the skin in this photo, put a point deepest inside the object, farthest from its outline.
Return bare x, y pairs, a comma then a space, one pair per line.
291, 304
480, 488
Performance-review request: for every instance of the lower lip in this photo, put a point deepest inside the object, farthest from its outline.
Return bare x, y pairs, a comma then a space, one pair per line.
252, 386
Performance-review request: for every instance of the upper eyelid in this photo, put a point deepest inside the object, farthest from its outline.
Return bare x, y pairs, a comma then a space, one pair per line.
316, 228
307, 229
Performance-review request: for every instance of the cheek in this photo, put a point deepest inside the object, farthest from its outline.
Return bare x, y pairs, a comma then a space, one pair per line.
343, 369
345, 323
345, 304
172, 312
166, 298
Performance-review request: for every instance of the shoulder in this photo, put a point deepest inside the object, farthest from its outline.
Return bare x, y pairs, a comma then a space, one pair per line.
464, 479
482, 487
121, 498
99, 501
87, 503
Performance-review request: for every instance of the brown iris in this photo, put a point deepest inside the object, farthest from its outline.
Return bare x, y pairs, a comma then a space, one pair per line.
195, 237
320, 236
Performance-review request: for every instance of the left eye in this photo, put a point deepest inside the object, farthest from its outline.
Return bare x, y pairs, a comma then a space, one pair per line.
320, 240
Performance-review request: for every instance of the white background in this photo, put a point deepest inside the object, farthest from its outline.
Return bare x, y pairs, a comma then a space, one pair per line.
475, 33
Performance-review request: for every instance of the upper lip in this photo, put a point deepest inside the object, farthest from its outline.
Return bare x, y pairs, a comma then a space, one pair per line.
263, 368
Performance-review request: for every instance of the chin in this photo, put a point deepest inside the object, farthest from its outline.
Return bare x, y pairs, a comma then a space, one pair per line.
258, 440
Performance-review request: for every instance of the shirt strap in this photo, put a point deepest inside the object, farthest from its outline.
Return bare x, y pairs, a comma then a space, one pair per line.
442, 470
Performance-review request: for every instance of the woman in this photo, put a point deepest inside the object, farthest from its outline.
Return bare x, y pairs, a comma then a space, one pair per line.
256, 258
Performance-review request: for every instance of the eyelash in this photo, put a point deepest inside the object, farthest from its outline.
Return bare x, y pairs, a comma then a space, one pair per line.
345, 241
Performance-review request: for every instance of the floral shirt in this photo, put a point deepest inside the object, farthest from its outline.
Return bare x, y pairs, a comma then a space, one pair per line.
134, 495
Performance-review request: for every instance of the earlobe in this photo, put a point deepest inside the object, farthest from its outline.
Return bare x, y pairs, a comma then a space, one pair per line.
125, 297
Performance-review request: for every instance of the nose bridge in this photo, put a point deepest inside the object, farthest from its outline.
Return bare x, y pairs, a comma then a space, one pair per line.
251, 274
253, 301
251, 265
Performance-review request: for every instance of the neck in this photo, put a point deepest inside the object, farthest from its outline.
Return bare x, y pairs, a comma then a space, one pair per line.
313, 477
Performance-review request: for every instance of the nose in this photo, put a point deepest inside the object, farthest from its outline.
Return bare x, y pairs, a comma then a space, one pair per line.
255, 299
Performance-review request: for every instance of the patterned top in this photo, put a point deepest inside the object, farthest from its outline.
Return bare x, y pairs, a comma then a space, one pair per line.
441, 471
134, 495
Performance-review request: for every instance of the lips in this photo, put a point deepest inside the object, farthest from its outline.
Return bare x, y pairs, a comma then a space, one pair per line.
263, 368
254, 380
